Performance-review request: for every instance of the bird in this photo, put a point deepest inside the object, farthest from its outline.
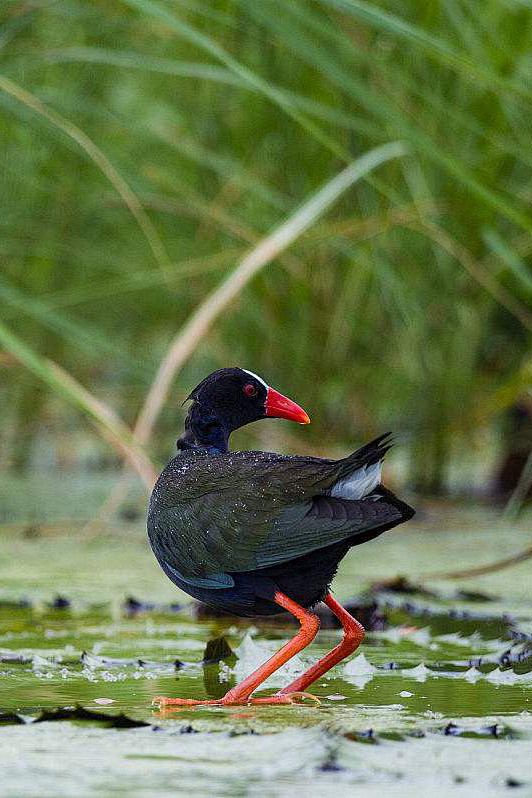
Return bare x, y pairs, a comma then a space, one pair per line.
257, 533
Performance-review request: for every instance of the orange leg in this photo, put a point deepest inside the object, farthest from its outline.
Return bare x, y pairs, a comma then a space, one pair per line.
241, 694
353, 636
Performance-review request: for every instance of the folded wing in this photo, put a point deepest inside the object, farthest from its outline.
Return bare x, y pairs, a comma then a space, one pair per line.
213, 515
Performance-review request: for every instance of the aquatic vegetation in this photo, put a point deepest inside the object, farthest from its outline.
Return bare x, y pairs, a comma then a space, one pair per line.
438, 670
148, 147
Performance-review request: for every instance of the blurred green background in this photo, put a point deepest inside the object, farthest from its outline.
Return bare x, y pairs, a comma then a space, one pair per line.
147, 146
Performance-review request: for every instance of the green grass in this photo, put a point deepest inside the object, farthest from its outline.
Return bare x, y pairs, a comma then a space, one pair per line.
163, 140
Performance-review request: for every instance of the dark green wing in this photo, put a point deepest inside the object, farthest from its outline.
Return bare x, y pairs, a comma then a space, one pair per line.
213, 514
326, 520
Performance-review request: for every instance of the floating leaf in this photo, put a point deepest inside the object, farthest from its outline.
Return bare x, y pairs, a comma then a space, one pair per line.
359, 666
80, 713
419, 673
95, 661
493, 730
10, 719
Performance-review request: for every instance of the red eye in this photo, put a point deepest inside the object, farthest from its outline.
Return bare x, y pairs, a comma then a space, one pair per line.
250, 390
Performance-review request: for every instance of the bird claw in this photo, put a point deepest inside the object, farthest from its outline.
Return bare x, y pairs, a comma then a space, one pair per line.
297, 697
304, 696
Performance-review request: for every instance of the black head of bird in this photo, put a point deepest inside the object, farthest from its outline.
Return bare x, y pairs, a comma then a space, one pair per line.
228, 399
256, 533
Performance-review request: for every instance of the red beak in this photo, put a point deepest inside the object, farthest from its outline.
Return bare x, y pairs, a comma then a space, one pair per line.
279, 406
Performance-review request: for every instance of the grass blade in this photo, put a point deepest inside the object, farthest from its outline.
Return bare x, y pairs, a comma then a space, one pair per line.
269, 248
103, 417
101, 161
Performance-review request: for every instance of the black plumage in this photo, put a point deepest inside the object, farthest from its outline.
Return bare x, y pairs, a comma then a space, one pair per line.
230, 528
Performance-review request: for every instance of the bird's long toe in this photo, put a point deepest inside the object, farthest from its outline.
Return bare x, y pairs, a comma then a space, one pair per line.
296, 697
163, 702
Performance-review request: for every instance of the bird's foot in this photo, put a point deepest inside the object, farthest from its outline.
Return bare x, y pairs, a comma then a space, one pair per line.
297, 697
164, 702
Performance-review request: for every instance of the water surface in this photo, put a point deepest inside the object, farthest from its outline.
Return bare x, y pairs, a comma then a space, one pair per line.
432, 701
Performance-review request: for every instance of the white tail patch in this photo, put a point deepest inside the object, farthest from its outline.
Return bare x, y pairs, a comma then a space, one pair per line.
359, 483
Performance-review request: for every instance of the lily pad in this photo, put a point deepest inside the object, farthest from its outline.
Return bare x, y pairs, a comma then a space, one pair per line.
80, 713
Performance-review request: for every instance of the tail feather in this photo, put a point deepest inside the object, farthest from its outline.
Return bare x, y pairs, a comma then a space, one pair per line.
368, 455
360, 473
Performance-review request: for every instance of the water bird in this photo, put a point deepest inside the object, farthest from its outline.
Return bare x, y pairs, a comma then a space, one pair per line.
258, 533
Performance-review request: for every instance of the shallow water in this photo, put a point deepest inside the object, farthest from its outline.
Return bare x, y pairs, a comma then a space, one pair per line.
377, 730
